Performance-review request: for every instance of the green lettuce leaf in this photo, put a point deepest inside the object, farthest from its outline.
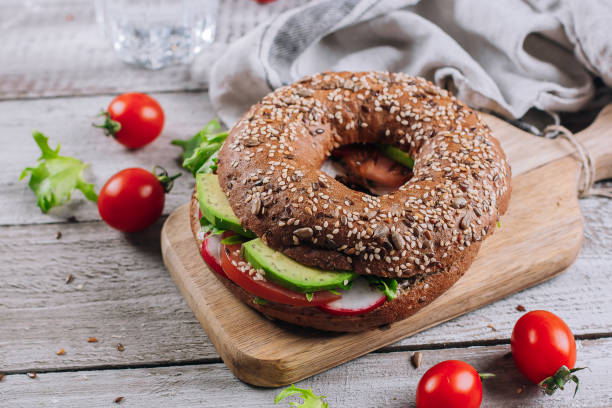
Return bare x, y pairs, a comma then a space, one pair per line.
388, 286
55, 176
208, 227
200, 151
310, 399
233, 239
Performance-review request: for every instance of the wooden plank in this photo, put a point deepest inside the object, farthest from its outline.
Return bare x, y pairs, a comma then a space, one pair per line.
68, 121
122, 294
56, 46
375, 380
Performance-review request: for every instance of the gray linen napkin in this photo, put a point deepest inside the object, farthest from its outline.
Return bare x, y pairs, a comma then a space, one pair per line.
507, 57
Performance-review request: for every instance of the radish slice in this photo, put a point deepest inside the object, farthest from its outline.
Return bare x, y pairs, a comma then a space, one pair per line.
361, 298
211, 252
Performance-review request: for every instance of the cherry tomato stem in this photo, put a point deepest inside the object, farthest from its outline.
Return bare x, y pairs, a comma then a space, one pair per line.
166, 180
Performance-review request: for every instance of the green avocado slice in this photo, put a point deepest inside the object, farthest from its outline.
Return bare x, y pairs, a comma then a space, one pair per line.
396, 154
215, 207
290, 274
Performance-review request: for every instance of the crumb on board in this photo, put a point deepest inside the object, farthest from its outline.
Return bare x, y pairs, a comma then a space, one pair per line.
416, 359
61, 352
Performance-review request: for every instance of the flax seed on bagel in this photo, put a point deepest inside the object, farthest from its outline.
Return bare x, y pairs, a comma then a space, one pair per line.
269, 168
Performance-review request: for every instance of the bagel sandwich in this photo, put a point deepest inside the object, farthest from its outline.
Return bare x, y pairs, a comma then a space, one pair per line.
347, 201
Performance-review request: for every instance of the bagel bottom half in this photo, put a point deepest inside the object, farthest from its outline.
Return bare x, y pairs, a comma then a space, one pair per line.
414, 294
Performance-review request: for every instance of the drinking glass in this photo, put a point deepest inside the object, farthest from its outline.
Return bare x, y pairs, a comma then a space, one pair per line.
157, 33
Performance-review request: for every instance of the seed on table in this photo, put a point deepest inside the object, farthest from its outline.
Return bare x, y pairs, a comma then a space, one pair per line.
92, 340
61, 352
32, 374
416, 359
69, 278
118, 400
120, 347
520, 308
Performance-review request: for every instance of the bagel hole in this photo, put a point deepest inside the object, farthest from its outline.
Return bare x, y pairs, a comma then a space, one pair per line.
365, 168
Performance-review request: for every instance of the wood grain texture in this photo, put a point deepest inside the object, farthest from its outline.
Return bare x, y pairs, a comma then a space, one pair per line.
597, 140
122, 293
65, 46
375, 380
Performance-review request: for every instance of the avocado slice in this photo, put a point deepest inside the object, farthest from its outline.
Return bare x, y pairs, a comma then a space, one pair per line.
215, 207
289, 273
396, 154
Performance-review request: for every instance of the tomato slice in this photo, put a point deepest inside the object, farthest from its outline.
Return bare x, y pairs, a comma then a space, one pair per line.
365, 162
211, 252
237, 270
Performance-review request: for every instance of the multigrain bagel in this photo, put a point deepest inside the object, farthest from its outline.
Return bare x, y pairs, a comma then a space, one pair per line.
413, 294
429, 229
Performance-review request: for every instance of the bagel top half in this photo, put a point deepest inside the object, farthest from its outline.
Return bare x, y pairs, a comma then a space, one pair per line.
269, 168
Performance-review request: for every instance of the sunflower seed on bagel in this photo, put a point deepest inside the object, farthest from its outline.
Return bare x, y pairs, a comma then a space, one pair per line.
460, 184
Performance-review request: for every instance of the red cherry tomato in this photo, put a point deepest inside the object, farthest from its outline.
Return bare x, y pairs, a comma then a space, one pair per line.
133, 199
230, 254
451, 383
134, 119
541, 343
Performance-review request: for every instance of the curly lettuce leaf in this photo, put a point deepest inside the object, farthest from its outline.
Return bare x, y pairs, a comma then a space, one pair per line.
310, 400
200, 151
233, 239
207, 227
55, 176
388, 286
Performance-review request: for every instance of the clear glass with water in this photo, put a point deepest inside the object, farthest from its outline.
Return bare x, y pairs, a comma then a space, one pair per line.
157, 33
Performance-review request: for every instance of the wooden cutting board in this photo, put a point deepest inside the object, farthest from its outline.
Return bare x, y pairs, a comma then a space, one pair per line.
540, 236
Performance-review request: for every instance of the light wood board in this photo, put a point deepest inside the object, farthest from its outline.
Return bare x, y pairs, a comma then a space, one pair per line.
540, 237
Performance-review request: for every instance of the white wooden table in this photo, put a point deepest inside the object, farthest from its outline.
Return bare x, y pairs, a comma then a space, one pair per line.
55, 74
